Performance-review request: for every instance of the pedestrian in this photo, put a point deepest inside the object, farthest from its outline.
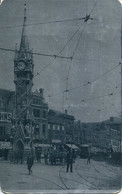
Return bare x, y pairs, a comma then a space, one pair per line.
6, 154
38, 155
21, 156
73, 155
69, 160
30, 163
89, 158
46, 157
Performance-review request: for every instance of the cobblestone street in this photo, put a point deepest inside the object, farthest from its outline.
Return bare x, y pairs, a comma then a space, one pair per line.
96, 176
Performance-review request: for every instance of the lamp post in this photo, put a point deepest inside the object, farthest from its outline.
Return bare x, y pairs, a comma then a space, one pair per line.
13, 131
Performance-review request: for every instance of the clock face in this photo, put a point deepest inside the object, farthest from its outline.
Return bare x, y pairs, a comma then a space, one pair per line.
21, 65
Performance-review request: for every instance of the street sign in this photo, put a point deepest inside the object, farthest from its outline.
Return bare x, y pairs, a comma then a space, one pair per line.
4, 145
5, 117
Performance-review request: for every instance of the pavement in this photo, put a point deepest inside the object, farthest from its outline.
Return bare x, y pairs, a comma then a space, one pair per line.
99, 175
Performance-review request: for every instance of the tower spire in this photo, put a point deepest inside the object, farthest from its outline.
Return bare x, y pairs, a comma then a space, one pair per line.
24, 41
24, 12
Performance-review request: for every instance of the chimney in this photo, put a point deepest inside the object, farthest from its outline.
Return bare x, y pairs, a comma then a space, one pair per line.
41, 90
111, 119
66, 112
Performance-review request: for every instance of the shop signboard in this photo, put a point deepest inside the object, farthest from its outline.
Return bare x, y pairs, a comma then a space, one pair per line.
4, 145
5, 117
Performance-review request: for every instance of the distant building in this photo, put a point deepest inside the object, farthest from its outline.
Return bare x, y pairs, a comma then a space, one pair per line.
115, 125
39, 114
56, 132
69, 127
6, 111
95, 134
78, 133
60, 126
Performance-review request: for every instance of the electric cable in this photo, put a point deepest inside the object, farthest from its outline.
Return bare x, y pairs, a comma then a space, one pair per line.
43, 23
34, 53
88, 82
58, 52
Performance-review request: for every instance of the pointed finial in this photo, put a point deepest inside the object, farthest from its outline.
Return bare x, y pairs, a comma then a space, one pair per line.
25, 11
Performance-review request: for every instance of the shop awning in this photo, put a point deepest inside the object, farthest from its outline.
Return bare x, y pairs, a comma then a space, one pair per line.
56, 141
6, 145
73, 146
115, 148
42, 145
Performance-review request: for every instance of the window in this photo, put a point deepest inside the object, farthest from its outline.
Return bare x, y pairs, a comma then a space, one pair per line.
36, 113
63, 128
44, 114
0, 102
43, 129
56, 127
2, 130
49, 126
36, 101
33, 101
36, 130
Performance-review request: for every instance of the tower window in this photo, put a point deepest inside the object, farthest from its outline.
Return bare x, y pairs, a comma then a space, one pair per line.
36, 113
44, 114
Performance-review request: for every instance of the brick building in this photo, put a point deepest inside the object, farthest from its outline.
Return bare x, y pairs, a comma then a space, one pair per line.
6, 111
115, 126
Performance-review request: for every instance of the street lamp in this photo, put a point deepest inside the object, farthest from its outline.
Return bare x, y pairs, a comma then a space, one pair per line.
13, 131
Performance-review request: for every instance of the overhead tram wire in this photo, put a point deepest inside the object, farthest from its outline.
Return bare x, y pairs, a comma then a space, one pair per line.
97, 78
89, 82
93, 7
76, 49
67, 90
97, 97
35, 53
59, 52
43, 23
64, 45
99, 110
110, 94
84, 59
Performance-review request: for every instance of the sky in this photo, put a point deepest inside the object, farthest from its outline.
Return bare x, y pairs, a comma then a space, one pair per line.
93, 74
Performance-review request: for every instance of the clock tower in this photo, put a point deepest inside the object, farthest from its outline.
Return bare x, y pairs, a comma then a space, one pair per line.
23, 78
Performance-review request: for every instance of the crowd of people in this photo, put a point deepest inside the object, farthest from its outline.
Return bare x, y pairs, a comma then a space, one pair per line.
4, 154
68, 157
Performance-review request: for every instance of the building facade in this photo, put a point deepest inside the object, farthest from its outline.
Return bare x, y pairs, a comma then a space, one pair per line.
6, 111
56, 129
115, 126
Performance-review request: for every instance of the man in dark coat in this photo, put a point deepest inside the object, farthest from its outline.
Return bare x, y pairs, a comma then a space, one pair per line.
30, 163
89, 158
69, 160
46, 157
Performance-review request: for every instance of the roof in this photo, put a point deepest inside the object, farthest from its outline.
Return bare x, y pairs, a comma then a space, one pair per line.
114, 120
4, 91
36, 93
52, 112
